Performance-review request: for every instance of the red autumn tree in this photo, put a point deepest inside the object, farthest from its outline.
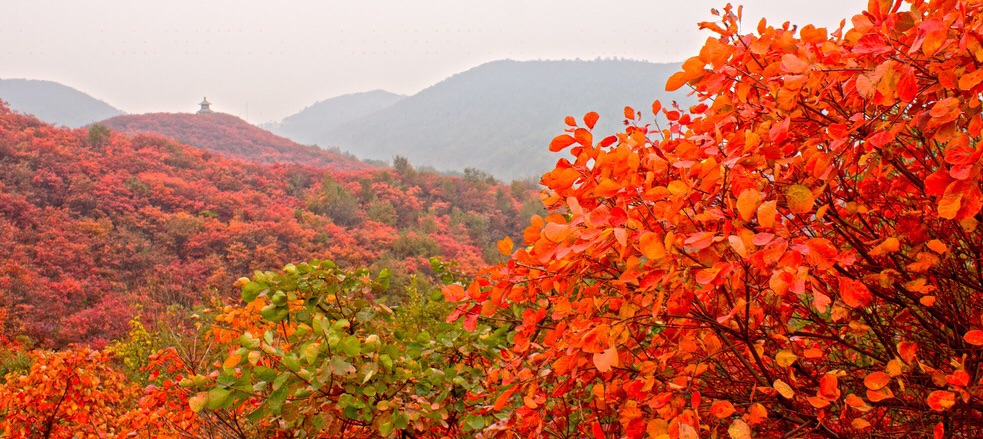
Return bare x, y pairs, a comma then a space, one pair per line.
798, 253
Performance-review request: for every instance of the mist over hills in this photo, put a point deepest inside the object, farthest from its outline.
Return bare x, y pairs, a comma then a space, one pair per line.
309, 124
54, 103
498, 117
232, 137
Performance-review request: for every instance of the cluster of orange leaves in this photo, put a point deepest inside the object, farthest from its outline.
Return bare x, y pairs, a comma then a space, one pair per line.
798, 253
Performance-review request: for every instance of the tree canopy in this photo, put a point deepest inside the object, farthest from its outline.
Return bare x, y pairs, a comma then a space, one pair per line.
799, 252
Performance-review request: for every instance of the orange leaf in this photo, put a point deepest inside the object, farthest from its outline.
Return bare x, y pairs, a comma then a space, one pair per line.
629, 113
607, 188
739, 430
707, 275
756, 414
656, 107
560, 142
974, 337
800, 199
504, 398
604, 361
860, 423
505, 246
699, 240
876, 380
937, 246
784, 389
970, 80
722, 409
454, 293
941, 400
818, 402
737, 244
676, 81
570, 121
766, 213
907, 351
794, 64
747, 203
651, 246
829, 387
590, 119
556, 232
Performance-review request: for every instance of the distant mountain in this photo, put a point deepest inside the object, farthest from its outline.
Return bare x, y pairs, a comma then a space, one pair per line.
500, 117
54, 103
307, 125
232, 137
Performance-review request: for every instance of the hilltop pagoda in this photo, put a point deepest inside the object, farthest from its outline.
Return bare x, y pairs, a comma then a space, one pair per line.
205, 106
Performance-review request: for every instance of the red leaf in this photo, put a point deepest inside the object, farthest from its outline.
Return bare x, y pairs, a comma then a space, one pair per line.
590, 119
974, 337
941, 400
854, 293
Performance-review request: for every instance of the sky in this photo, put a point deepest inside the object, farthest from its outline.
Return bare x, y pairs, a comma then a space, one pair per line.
263, 60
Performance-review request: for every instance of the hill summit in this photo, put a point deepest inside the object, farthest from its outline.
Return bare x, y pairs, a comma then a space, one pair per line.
231, 136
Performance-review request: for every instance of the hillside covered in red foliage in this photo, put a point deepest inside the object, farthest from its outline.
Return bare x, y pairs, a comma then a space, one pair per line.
232, 137
96, 226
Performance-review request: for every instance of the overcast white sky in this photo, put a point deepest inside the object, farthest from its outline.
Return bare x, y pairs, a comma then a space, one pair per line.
264, 60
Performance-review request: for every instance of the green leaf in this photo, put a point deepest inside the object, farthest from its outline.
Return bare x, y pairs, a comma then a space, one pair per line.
197, 402
312, 352
341, 367
251, 291
290, 362
386, 428
219, 398
350, 346
475, 422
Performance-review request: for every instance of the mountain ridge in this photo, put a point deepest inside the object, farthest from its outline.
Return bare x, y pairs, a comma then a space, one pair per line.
54, 103
499, 117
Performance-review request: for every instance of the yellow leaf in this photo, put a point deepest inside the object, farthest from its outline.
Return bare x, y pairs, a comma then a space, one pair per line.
785, 358
784, 389
739, 430
505, 246
800, 199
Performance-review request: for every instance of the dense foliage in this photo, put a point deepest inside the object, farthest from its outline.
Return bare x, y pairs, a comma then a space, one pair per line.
797, 254
95, 224
232, 137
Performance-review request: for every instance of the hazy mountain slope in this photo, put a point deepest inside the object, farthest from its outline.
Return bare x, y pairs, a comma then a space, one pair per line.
500, 117
311, 122
232, 137
53, 102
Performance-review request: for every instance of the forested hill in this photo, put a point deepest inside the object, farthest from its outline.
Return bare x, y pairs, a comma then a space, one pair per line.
96, 226
54, 103
309, 124
500, 117
232, 137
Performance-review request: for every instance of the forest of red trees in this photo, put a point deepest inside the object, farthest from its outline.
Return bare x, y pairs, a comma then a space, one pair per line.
797, 255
